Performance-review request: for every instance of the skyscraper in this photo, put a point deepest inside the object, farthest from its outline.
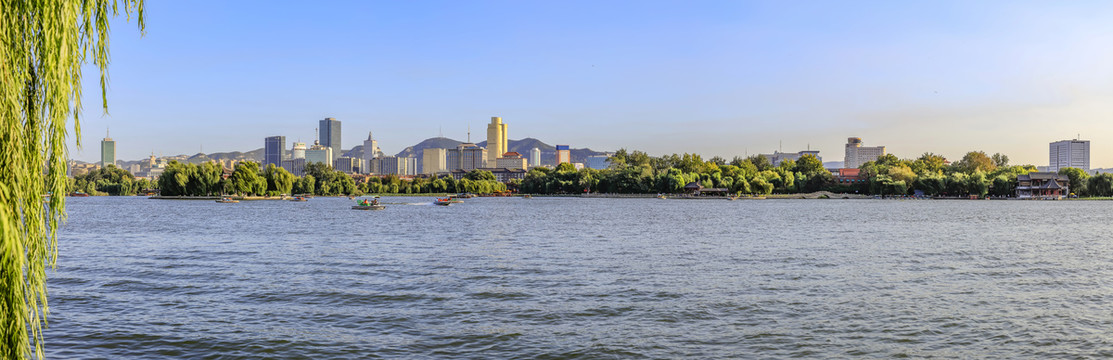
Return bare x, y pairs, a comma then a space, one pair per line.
330, 136
535, 157
856, 154
107, 151
1069, 153
274, 149
497, 143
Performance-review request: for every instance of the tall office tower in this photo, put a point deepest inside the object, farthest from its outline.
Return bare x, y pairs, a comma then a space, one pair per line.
370, 152
856, 154
330, 136
107, 151
274, 148
497, 143
433, 161
298, 151
1069, 153
563, 154
535, 157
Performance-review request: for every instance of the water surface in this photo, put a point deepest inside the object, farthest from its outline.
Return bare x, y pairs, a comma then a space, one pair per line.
569, 278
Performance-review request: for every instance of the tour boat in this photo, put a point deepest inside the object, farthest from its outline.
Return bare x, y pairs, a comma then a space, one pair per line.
446, 201
368, 205
227, 200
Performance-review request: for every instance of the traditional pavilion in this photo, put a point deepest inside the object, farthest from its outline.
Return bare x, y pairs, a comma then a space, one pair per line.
1042, 185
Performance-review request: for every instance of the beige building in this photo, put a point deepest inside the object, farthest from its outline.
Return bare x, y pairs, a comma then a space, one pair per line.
318, 154
433, 161
856, 154
511, 160
497, 142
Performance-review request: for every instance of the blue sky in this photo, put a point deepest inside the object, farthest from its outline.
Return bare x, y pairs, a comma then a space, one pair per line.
715, 78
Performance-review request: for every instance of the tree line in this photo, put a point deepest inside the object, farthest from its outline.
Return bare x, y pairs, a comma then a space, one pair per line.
976, 174
247, 178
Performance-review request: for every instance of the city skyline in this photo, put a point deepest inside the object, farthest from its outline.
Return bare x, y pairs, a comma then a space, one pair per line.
944, 77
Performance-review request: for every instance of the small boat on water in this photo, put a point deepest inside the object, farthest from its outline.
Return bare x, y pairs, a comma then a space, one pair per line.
661, 196
78, 194
227, 200
447, 201
527, 196
299, 198
368, 205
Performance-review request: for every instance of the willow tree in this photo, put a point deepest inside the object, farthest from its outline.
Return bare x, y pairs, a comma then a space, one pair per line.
43, 46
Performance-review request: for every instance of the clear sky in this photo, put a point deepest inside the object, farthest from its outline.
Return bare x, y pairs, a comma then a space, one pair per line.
715, 78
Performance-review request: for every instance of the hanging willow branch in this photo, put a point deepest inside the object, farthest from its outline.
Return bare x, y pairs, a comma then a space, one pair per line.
43, 45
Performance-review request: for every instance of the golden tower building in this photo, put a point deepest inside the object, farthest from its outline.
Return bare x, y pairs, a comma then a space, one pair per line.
497, 142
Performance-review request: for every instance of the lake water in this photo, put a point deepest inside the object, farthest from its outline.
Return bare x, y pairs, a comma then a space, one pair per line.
570, 278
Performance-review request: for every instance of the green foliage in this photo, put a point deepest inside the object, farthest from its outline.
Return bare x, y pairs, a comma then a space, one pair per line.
975, 161
246, 180
279, 181
1100, 185
1078, 180
109, 180
476, 175
44, 46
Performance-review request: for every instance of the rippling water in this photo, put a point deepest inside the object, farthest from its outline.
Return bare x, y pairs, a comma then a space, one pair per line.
552, 278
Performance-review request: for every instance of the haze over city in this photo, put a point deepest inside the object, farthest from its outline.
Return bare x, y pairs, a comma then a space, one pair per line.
714, 78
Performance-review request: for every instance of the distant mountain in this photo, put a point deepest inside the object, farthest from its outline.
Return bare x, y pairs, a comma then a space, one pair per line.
430, 143
253, 155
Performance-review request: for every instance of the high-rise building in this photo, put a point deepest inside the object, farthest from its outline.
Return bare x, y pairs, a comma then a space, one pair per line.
330, 136
511, 160
433, 161
298, 152
107, 151
390, 165
497, 143
563, 154
370, 152
535, 157
319, 154
412, 167
1069, 153
466, 156
274, 149
856, 154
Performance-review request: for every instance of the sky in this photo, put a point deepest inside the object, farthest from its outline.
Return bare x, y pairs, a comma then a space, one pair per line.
717, 78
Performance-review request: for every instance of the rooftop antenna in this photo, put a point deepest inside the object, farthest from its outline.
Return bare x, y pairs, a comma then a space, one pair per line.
440, 131
469, 133
780, 146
